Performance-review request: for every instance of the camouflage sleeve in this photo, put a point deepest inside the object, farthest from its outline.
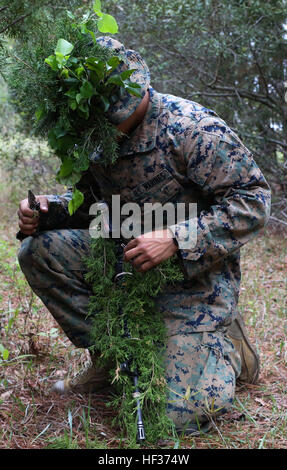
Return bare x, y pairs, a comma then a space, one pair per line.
225, 173
58, 216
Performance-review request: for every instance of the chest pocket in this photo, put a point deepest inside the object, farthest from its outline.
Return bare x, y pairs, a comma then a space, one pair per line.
161, 187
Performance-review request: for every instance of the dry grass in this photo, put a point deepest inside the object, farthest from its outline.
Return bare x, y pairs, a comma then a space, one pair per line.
31, 417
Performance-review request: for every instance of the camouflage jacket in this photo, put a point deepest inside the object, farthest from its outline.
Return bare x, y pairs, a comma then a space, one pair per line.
183, 152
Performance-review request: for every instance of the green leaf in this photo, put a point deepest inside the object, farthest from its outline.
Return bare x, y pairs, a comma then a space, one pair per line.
75, 202
70, 15
92, 63
98, 66
66, 168
71, 179
61, 141
84, 29
64, 47
5, 354
78, 98
65, 73
79, 71
73, 60
116, 79
60, 132
112, 63
132, 89
61, 59
107, 24
52, 139
73, 104
97, 6
87, 90
71, 93
127, 73
52, 61
86, 17
84, 107
39, 113
93, 35
105, 103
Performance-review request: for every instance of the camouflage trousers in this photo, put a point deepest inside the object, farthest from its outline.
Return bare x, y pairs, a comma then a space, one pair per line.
201, 368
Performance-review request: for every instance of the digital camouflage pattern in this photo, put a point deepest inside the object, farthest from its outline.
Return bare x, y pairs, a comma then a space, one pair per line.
181, 152
126, 103
201, 368
201, 371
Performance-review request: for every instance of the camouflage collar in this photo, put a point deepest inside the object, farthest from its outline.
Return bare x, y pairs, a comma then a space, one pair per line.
144, 136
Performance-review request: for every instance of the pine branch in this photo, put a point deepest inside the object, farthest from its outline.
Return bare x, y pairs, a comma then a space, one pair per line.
21, 18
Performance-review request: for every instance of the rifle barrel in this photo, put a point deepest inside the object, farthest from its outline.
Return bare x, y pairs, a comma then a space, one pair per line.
125, 367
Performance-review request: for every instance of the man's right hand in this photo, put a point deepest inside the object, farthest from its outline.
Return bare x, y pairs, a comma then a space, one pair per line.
28, 223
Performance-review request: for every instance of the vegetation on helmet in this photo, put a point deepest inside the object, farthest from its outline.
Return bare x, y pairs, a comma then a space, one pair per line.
66, 94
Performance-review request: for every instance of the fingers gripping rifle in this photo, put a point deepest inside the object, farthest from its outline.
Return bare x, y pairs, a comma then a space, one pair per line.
126, 366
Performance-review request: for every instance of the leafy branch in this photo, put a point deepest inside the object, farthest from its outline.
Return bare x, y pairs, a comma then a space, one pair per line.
86, 86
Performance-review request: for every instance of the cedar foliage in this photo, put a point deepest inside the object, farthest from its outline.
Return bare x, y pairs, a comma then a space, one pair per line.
130, 308
37, 91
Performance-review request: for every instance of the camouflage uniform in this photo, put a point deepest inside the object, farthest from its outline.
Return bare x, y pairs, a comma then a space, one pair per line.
181, 152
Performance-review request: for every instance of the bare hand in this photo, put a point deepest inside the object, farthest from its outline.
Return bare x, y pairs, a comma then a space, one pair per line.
150, 249
28, 218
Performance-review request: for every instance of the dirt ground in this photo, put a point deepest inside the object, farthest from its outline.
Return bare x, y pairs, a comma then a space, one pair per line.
35, 353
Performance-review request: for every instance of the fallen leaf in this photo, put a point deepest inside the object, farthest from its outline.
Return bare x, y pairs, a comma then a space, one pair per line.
60, 373
6, 395
262, 402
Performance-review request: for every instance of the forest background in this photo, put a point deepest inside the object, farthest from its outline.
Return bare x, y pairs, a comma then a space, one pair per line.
230, 56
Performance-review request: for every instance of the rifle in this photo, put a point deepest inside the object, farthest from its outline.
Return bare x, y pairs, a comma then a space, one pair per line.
35, 206
119, 280
126, 366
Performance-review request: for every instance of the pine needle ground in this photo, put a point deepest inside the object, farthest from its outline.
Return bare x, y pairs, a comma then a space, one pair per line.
39, 354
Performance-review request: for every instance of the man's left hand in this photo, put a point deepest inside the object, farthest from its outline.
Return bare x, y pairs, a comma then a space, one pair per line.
150, 249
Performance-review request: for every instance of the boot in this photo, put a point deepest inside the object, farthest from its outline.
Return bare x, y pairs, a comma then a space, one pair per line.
195, 429
237, 333
91, 378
